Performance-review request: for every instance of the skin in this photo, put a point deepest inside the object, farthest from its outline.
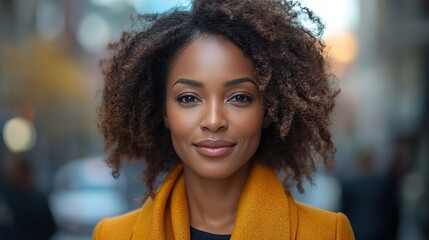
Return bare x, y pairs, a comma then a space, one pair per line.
211, 96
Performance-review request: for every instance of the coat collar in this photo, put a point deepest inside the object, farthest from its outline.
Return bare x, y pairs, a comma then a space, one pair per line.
265, 209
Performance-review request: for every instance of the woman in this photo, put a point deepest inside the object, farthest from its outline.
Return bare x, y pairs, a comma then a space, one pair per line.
219, 97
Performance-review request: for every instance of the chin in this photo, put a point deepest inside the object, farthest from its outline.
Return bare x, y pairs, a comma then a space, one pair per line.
216, 170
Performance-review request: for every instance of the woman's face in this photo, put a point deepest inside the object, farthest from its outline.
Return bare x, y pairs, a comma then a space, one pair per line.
213, 108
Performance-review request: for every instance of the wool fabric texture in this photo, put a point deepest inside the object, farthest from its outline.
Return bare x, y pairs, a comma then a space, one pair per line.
265, 211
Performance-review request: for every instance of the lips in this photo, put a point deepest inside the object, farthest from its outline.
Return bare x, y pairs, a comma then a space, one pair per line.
214, 147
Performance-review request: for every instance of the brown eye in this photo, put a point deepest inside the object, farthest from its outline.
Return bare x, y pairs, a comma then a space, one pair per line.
240, 98
188, 99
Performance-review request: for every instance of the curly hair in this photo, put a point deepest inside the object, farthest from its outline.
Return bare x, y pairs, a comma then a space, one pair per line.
293, 76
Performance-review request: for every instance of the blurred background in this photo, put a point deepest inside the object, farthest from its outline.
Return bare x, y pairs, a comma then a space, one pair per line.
55, 185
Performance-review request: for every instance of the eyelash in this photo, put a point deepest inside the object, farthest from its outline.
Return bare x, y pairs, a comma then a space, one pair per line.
190, 99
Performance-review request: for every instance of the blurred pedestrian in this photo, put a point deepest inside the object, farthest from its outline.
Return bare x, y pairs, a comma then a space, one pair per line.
28, 215
370, 200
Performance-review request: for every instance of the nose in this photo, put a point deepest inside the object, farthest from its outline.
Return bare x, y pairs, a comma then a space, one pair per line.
213, 118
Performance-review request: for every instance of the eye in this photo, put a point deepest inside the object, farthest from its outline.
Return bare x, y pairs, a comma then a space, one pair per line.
240, 98
188, 99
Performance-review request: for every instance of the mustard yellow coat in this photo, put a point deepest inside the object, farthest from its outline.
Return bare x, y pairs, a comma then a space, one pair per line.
265, 211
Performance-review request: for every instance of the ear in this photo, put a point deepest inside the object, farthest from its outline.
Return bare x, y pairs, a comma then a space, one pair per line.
266, 122
166, 122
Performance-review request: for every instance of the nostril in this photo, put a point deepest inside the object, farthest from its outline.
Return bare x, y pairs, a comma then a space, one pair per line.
214, 124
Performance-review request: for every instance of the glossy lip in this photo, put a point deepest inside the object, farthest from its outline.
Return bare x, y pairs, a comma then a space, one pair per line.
214, 147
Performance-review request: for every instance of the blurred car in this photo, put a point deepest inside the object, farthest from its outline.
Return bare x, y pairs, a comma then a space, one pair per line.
84, 192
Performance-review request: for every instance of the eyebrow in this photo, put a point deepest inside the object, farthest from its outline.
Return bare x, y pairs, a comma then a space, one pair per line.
198, 84
191, 82
238, 81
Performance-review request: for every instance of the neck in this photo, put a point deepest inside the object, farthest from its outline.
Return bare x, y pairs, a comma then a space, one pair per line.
213, 203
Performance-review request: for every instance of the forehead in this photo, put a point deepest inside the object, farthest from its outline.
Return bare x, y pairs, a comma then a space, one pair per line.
209, 57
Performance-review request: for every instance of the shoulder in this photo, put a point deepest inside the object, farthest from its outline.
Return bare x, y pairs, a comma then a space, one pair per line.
315, 223
119, 227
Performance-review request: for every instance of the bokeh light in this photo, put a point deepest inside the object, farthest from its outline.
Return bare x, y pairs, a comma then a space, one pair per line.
19, 134
50, 20
93, 33
155, 6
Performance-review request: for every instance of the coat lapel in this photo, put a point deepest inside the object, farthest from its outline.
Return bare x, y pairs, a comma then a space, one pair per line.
264, 210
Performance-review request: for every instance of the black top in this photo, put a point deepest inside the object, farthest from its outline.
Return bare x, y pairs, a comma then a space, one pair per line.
200, 235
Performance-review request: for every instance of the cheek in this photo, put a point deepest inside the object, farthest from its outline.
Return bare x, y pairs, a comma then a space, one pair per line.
180, 123
249, 124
